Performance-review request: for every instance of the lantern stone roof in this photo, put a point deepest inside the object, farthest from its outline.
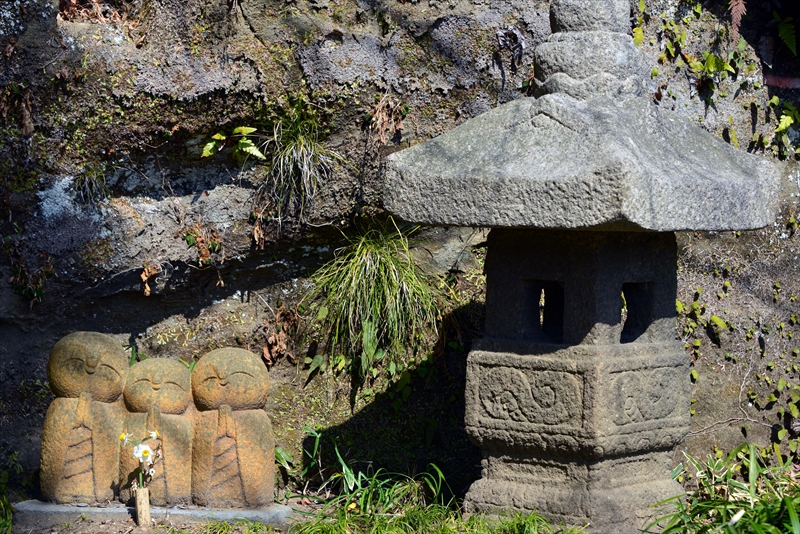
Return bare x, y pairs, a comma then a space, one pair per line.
591, 152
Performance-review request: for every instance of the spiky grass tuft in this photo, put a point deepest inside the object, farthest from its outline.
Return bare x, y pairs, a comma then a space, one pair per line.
376, 302
299, 159
736, 494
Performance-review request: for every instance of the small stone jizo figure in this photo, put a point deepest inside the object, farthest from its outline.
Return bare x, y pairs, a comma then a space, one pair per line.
80, 439
233, 462
158, 397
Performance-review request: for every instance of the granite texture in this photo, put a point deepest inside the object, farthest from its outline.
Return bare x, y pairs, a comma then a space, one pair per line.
559, 162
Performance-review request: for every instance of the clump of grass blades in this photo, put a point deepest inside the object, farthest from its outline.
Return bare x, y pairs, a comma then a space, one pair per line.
394, 503
766, 501
242, 526
91, 184
376, 300
430, 519
5, 505
299, 160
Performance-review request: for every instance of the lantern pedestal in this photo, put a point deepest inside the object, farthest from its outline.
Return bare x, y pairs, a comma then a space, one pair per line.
579, 391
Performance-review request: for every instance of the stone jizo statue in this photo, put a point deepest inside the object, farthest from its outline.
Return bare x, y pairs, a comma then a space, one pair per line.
80, 440
216, 444
233, 462
158, 397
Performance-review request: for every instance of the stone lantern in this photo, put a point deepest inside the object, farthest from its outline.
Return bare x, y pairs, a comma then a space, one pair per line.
579, 391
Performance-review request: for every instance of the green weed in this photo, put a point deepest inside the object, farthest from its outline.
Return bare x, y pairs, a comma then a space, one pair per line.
381, 501
91, 184
431, 519
298, 159
5, 504
376, 301
26, 283
737, 494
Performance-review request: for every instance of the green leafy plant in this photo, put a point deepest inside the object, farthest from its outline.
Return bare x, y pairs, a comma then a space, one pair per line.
135, 356
376, 302
393, 502
739, 60
189, 365
297, 158
709, 71
735, 494
5, 505
779, 140
314, 456
242, 145
206, 241
673, 38
638, 30
786, 31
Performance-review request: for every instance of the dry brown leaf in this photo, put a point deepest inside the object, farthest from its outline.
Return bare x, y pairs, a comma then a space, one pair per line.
267, 356
27, 120
10, 47
387, 118
147, 272
738, 10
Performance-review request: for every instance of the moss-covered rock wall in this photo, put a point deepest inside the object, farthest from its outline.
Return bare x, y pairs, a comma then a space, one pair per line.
112, 220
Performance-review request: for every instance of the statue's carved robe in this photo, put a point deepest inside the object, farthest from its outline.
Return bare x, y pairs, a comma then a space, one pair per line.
233, 459
80, 450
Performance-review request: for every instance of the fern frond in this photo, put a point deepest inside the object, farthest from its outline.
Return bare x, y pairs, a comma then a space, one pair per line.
786, 31
738, 10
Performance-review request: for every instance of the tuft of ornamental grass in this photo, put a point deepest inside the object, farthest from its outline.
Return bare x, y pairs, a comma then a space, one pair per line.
735, 495
376, 301
386, 502
299, 159
430, 519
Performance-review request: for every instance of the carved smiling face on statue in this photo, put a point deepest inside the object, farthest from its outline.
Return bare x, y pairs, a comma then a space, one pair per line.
235, 377
87, 362
160, 383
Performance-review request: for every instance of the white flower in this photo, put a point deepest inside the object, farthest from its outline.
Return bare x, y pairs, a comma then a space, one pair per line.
735, 519
125, 437
143, 453
152, 472
154, 434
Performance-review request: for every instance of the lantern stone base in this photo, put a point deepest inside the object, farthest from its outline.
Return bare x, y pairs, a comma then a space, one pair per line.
612, 495
581, 434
